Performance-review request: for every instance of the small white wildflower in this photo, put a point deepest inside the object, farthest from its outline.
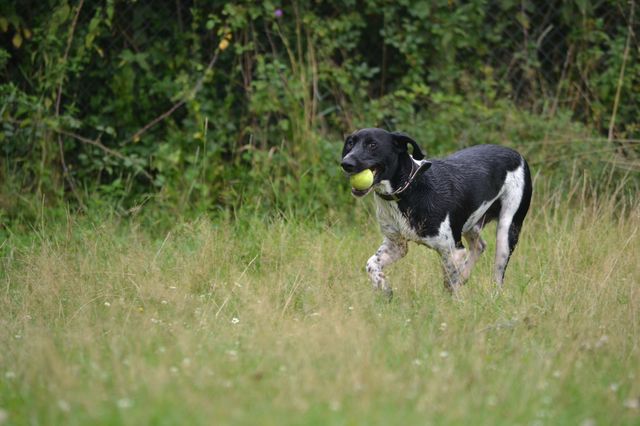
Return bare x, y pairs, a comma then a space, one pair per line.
173, 369
602, 341
408, 320
350, 308
28, 317
64, 405
315, 314
235, 320
186, 362
444, 354
231, 353
492, 401
164, 302
155, 321
18, 336
556, 374
613, 387
124, 403
172, 287
107, 304
443, 326
10, 375
417, 361
632, 403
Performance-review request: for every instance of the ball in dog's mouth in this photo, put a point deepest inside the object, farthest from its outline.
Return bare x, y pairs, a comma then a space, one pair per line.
362, 182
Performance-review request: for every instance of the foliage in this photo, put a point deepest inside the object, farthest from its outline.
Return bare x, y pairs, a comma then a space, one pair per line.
261, 128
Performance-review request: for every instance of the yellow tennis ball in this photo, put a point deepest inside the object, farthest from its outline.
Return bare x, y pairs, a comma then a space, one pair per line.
362, 180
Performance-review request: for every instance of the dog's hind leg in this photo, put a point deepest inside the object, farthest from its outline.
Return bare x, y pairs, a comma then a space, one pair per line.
476, 247
515, 204
390, 251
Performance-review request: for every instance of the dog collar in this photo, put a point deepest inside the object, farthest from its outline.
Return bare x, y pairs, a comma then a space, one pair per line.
415, 170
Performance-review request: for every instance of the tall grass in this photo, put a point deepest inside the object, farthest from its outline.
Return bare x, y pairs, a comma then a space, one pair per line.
272, 323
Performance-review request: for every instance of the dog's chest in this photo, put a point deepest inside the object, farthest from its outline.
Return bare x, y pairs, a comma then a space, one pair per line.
393, 222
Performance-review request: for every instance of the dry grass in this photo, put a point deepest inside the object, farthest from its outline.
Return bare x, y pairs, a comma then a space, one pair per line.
272, 324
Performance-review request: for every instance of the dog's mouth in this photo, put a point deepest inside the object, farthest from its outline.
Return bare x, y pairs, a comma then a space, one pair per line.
377, 172
360, 192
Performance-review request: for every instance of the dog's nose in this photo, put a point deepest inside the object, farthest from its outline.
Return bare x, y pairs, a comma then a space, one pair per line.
348, 165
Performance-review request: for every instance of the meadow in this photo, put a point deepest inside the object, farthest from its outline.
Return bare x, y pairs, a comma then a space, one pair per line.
110, 321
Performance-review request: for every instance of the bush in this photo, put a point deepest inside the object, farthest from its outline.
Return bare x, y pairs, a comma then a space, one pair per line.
230, 107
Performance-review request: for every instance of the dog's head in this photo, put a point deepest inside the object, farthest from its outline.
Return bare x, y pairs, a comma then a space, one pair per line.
378, 150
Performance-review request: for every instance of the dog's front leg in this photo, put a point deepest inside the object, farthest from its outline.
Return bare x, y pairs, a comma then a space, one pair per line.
390, 251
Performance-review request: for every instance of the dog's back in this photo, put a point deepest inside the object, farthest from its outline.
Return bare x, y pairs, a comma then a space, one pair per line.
469, 189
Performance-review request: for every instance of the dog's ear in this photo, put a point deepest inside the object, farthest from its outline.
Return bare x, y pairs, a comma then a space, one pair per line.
401, 141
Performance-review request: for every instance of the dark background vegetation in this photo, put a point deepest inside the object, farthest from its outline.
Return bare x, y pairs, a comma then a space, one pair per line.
136, 106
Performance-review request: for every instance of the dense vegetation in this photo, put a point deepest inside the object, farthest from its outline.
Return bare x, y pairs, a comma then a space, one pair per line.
230, 106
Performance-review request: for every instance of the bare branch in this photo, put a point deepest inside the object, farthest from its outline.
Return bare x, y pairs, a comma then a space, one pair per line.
178, 104
107, 150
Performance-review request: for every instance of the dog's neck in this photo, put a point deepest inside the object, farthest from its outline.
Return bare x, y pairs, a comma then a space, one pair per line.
403, 171
400, 177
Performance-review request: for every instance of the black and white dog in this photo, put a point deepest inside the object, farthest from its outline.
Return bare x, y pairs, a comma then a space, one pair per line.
435, 203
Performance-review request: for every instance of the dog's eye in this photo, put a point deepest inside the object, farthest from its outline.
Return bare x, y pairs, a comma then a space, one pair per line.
349, 143
371, 144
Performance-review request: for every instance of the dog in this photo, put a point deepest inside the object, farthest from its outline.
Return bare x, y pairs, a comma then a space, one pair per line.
437, 202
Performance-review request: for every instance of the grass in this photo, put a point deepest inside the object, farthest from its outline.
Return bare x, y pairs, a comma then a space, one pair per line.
272, 323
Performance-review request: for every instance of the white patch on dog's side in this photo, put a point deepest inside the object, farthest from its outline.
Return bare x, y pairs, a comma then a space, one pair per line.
443, 241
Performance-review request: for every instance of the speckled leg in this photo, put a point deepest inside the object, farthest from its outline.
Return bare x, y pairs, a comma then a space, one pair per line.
390, 251
453, 266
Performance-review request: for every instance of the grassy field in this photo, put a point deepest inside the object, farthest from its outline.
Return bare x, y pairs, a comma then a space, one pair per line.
275, 323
